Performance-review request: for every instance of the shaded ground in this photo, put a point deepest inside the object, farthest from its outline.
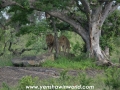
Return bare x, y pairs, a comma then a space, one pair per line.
11, 75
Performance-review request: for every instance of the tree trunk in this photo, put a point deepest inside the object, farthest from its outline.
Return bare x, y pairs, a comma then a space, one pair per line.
93, 45
55, 38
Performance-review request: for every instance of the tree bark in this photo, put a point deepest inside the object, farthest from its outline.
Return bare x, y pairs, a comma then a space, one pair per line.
95, 49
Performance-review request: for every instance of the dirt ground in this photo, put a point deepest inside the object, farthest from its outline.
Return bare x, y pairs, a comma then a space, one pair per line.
11, 75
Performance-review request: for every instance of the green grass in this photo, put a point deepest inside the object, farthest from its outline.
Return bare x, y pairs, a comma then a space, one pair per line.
66, 63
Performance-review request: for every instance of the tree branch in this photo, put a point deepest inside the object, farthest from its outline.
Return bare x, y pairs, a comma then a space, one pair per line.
87, 9
16, 51
5, 44
72, 22
5, 3
96, 13
114, 8
86, 6
105, 12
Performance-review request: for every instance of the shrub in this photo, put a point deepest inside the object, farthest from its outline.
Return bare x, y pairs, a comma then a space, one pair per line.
63, 75
112, 79
27, 81
84, 80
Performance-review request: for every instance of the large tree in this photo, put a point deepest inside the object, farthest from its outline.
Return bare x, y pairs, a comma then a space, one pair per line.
85, 16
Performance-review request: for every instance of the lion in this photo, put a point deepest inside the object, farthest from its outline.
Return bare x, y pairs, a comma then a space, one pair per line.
50, 42
64, 44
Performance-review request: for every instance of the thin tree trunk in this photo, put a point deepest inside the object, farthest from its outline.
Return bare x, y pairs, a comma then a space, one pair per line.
55, 38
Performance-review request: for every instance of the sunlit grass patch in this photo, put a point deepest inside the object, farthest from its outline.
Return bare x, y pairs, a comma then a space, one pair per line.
66, 63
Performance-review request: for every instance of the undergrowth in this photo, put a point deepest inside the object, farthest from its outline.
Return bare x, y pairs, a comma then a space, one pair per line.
63, 80
107, 80
74, 63
5, 60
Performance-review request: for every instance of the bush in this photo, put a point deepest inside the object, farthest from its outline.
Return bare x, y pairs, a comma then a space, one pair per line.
112, 79
63, 75
84, 80
27, 81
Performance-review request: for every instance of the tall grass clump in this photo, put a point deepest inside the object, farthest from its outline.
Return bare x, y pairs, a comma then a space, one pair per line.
112, 79
27, 81
5, 87
84, 79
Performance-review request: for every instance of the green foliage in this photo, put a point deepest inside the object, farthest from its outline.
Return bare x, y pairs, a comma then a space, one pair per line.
36, 35
39, 45
19, 14
35, 29
2, 33
118, 1
34, 41
111, 29
77, 48
63, 75
84, 79
5, 60
27, 81
112, 79
31, 41
109, 42
51, 4
62, 25
5, 86
22, 40
22, 2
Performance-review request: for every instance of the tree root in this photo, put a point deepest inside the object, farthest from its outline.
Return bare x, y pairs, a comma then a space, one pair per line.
108, 64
